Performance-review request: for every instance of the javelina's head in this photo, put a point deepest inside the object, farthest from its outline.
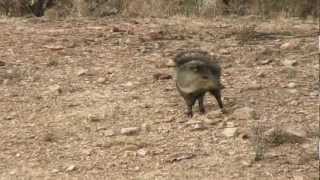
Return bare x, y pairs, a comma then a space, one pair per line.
196, 76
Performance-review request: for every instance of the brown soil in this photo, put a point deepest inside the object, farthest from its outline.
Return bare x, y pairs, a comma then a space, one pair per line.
69, 87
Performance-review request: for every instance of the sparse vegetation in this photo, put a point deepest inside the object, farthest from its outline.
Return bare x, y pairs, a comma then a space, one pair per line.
205, 8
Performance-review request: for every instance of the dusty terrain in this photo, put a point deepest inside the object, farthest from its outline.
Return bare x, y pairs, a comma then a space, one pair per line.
69, 89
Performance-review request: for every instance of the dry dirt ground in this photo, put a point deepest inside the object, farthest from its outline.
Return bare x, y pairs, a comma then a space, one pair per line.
70, 89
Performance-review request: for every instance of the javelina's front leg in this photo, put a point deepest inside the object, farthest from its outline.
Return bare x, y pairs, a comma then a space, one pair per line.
190, 102
201, 106
217, 95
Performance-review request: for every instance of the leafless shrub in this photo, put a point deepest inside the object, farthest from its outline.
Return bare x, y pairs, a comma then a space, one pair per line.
258, 141
14, 7
245, 33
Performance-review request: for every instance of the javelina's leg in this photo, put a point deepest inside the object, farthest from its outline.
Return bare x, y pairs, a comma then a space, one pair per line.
201, 106
217, 95
190, 102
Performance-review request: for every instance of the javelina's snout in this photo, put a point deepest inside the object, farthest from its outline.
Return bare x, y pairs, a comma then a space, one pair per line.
196, 75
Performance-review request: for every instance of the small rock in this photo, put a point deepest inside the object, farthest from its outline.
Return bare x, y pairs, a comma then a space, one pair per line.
289, 45
309, 148
13, 172
198, 127
211, 121
298, 177
6, 82
254, 86
230, 124
318, 149
87, 152
82, 72
192, 122
314, 93
296, 131
156, 35
293, 91
137, 168
145, 127
117, 29
265, 62
54, 47
93, 118
294, 103
221, 124
246, 163
169, 119
142, 152
162, 76
261, 74
2, 63
102, 80
230, 132
170, 63
182, 120
147, 106
52, 62
129, 130
224, 51
288, 62
55, 89
109, 133
291, 85
180, 157
54, 171
128, 84
215, 114
244, 113
71, 168
49, 137
11, 116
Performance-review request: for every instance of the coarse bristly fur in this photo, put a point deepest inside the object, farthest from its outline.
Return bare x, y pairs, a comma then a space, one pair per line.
197, 73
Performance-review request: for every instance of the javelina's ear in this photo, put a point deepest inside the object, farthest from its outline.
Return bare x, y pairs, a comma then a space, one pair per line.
221, 86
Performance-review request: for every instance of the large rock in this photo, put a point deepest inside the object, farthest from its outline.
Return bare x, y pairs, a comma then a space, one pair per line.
230, 132
130, 130
295, 131
289, 62
288, 134
244, 113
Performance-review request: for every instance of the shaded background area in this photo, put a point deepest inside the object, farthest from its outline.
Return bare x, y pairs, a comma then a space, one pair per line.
206, 8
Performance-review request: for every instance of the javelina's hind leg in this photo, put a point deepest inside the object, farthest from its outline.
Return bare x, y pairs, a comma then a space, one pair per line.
201, 106
217, 95
190, 102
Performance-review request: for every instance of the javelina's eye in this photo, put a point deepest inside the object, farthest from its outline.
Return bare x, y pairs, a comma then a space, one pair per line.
205, 77
195, 69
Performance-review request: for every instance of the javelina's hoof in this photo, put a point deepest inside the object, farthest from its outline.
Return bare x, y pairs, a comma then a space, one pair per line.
189, 114
202, 111
223, 111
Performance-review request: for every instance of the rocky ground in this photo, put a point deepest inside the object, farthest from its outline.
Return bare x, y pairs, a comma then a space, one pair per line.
96, 99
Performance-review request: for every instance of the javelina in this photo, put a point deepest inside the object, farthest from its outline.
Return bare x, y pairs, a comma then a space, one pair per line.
196, 75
